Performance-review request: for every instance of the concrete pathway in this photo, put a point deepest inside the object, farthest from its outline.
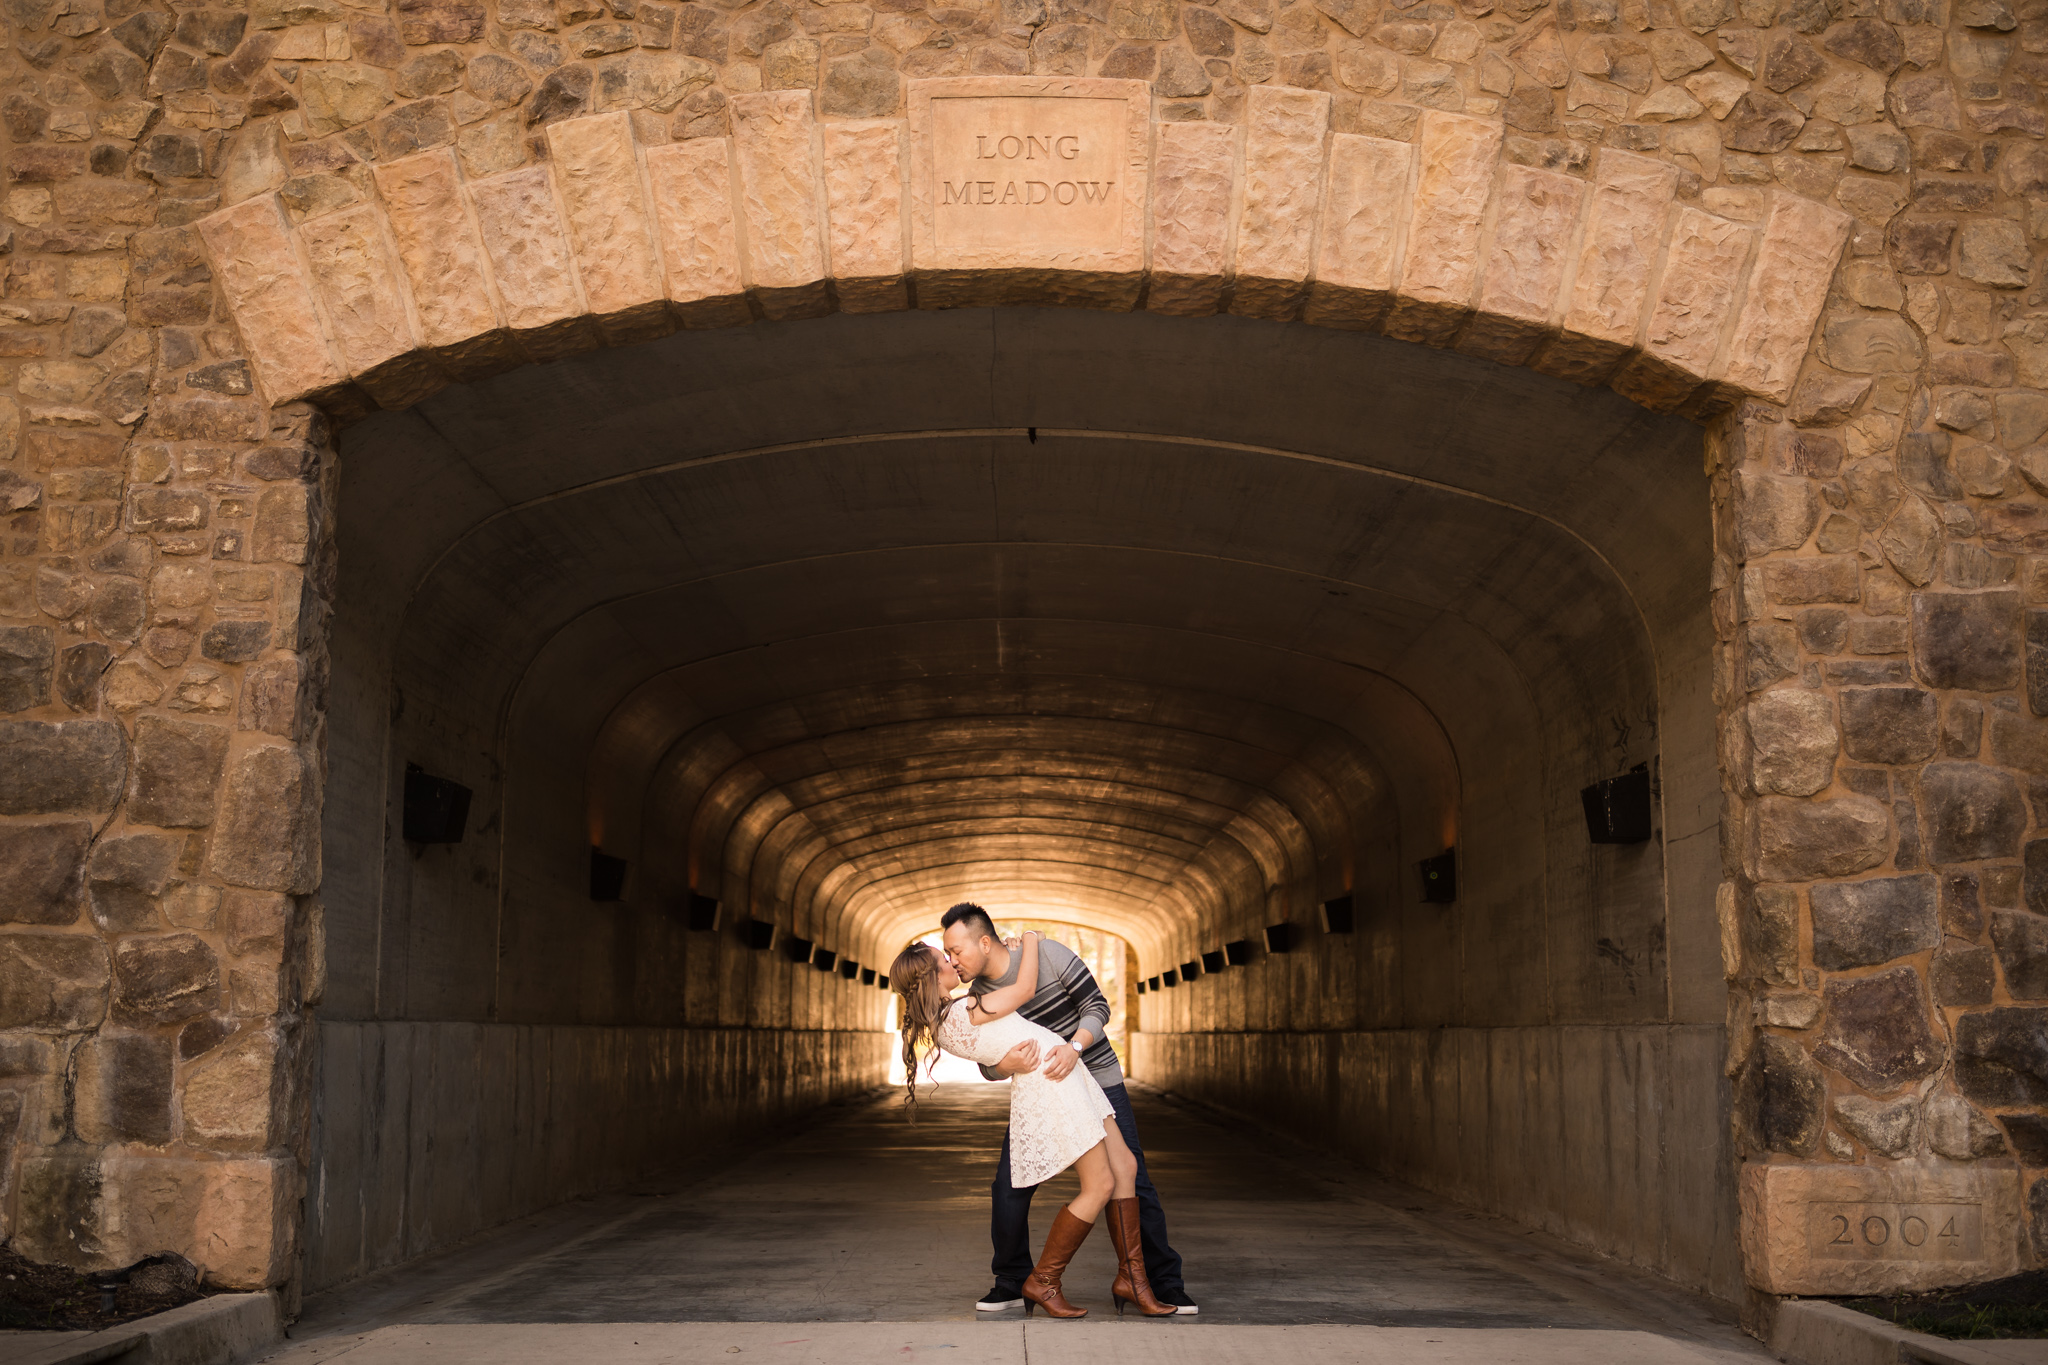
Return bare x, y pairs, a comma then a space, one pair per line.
865, 1238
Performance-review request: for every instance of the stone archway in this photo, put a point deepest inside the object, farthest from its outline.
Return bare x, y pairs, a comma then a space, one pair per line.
1437, 241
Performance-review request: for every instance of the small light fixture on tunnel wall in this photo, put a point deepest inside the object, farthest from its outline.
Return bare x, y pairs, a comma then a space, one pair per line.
1238, 952
700, 913
867, 976
883, 982
607, 877
1618, 809
1141, 988
849, 969
436, 808
799, 949
823, 959
1190, 970
1213, 962
1337, 915
1282, 938
1170, 978
1154, 983
1440, 878
759, 933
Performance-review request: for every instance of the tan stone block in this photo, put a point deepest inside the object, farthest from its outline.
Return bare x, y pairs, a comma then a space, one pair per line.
355, 270
598, 174
231, 1101
1286, 131
1029, 189
1365, 221
233, 1219
439, 246
1453, 184
272, 302
784, 249
1795, 262
1632, 197
528, 249
692, 186
1695, 297
1191, 183
1532, 242
1903, 1226
864, 215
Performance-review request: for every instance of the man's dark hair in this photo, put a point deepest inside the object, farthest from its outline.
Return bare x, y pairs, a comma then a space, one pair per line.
973, 916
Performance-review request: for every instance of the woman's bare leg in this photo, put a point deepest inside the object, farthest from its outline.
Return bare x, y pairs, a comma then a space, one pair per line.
1098, 1184
1123, 1167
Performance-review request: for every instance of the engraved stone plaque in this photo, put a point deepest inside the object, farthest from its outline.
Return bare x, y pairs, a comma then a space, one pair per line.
1031, 174
1815, 1228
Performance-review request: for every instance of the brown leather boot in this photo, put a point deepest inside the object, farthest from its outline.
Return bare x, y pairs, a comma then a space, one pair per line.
1042, 1285
1131, 1285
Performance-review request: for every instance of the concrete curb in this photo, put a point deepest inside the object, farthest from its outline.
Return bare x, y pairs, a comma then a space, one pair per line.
1816, 1332
222, 1330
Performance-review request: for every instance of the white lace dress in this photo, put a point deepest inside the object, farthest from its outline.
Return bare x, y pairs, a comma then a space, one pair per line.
1051, 1122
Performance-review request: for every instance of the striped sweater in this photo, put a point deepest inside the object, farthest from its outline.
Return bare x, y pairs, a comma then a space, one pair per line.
1067, 1001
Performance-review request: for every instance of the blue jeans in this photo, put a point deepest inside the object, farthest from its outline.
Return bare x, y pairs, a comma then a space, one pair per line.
1010, 1215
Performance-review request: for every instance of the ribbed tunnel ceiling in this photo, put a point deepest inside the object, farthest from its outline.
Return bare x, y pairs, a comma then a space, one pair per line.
1115, 618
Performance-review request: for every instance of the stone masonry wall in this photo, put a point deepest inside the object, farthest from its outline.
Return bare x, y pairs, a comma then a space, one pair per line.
1883, 596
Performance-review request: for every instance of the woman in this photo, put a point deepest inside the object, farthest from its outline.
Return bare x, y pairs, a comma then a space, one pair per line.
1053, 1124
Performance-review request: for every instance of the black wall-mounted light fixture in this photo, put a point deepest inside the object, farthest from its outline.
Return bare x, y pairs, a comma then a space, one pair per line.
848, 968
436, 808
1440, 878
1337, 915
823, 959
1282, 938
882, 981
1214, 961
867, 976
759, 933
1238, 952
700, 913
1153, 982
607, 877
1170, 978
1618, 809
1190, 970
1141, 988
797, 949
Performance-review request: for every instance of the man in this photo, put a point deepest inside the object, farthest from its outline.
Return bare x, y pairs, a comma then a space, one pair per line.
1070, 1004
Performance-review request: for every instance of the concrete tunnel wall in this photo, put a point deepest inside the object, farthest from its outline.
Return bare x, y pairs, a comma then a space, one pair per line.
1174, 627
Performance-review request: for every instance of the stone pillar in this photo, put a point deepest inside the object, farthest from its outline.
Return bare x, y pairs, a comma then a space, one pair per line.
162, 669
1883, 683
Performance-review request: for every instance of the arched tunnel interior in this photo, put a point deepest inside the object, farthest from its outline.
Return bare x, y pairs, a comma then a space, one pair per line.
1176, 628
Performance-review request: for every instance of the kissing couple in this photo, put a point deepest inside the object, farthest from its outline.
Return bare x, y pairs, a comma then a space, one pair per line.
1034, 1014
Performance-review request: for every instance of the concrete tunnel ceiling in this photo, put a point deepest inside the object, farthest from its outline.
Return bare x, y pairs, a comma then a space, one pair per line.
1116, 618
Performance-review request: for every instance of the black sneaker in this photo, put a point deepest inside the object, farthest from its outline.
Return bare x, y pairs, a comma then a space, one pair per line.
998, 1298
1182, 1304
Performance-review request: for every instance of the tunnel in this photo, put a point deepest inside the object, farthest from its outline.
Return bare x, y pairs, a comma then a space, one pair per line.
751, 650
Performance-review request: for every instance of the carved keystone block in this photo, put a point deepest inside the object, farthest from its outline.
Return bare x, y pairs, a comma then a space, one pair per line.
252, 252
692, 184
598, 173
864, 205
529, 254
1191, 183
1802, 242
369, 311
443, 256
1457, 156
1029, 190
1285, 134
1603, 319
1365, 223
773, 138
1532, 241
1878, 1230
